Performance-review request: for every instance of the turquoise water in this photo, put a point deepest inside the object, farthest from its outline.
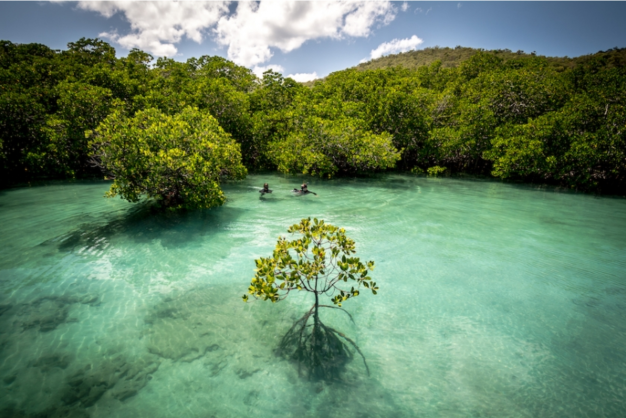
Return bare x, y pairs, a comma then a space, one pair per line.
495, 300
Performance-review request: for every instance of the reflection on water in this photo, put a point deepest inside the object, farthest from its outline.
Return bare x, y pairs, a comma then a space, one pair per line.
495, 300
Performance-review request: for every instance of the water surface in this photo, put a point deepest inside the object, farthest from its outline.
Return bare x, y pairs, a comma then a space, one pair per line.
495, 300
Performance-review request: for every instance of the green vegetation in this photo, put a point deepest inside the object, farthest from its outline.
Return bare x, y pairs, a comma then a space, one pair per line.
449, 58
507, 114
453, 57
320, 262
177, 160
324, 147
435, 171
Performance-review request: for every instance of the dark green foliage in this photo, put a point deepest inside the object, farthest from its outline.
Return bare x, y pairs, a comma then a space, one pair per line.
501, 113
22, 119
389, 102
79, 106
276, 111
582, 145
48, 99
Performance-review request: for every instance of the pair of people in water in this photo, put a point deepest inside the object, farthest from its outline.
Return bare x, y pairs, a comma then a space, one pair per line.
303, 189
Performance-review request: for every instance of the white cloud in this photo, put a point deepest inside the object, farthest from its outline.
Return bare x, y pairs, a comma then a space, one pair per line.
458, 5
404, 7
250, 33
255, 28
157, 27
420, 10
303, 77
258, 70
395, 46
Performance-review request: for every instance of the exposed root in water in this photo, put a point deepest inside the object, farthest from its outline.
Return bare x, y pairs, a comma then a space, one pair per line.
320, 351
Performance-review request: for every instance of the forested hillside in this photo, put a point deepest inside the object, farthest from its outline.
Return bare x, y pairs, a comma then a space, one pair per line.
449, 57
518, 116
453, 57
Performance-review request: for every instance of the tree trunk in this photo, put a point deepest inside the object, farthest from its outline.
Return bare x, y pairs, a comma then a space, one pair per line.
317, 304
317, 348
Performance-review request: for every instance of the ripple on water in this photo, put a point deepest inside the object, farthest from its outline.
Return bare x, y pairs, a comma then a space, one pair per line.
495, 300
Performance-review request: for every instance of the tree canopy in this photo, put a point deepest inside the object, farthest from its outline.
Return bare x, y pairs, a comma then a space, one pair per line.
506, 114
320, 262
177, 160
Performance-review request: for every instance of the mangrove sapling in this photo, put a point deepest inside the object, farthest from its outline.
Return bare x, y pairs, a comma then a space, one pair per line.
319, 262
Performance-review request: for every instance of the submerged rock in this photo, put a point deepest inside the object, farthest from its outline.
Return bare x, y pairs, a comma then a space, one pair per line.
122, 377
4, 308
45, 314
54, 412
179, 332
48, 362
49, 312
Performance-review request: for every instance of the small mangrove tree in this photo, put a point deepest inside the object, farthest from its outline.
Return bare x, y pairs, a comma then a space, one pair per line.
321, 262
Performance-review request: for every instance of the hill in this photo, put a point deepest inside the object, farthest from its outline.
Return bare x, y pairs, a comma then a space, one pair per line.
453, 57
449, 57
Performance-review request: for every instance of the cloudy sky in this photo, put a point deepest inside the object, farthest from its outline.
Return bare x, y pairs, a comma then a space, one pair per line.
311, 39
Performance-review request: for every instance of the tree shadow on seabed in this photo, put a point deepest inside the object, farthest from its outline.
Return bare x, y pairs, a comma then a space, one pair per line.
320, 351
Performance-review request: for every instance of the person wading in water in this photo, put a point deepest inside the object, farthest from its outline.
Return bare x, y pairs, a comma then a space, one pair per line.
304, 190
265, 189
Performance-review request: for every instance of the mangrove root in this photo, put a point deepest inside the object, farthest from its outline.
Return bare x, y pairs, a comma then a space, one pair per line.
320, 351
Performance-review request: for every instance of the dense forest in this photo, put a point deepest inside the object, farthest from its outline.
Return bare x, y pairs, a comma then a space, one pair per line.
509, 115
453, 57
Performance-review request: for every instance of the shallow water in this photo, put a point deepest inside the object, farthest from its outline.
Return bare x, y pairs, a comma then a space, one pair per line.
495, 300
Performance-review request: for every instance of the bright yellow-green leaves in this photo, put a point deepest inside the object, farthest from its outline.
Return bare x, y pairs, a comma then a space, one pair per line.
177, 160
435, 171
319, 261
326, 147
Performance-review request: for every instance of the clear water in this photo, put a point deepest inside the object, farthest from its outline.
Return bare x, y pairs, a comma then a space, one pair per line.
495, 300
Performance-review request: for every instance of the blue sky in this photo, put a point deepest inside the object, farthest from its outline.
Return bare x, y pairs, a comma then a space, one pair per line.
315, 38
